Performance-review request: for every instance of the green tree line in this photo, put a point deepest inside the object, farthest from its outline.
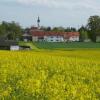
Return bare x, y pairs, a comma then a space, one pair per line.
10, 30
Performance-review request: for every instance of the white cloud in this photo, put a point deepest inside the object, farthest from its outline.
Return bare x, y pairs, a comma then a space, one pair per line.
69, 4
49, 3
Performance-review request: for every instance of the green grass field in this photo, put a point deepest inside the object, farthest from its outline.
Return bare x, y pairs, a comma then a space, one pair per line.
60, 46
46, 45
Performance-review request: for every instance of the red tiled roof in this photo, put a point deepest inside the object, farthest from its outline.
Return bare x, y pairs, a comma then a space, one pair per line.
43, 33
71, 34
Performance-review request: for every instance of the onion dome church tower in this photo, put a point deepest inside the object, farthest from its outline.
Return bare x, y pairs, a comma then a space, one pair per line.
38, 22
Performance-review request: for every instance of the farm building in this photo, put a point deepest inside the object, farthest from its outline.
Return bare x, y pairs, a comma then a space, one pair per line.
35, 34
27, 35
8, 45
55, 36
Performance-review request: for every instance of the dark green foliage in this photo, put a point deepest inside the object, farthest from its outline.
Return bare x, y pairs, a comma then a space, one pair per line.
62, 29
94, 27
58, 29
70, 29
84, 34
11, 31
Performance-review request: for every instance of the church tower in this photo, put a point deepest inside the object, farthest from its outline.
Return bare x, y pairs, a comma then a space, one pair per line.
38, 22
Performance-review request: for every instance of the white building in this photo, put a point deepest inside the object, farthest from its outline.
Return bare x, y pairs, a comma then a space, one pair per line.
26, 37
54, 36
74, 38
14, 48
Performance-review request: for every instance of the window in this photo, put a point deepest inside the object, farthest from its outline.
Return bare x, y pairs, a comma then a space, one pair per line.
58, 36
51, 37
41, 38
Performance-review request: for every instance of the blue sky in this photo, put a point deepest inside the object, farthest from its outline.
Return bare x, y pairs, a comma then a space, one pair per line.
52, 12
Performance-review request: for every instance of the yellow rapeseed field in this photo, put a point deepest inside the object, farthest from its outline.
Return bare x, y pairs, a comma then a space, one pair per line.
50, 75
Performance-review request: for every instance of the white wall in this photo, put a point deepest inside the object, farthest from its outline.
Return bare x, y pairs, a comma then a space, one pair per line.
14, 48
34, 38
74, 38
54, 38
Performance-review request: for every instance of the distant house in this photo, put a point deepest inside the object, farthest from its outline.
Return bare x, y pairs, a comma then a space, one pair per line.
26, 37
71, 36
26, 34
55, 36
14, 47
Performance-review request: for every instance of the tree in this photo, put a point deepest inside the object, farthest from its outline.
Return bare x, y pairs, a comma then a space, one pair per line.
82, 28
2, 30
94, 26
15, 30
11, 30
48, 28
45, 28
73, 29
58, 29
83, 35
70, 29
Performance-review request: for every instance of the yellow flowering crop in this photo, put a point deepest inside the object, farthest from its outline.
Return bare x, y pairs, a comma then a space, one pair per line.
50, 75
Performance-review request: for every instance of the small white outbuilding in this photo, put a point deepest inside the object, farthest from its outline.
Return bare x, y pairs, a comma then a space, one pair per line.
14, 48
